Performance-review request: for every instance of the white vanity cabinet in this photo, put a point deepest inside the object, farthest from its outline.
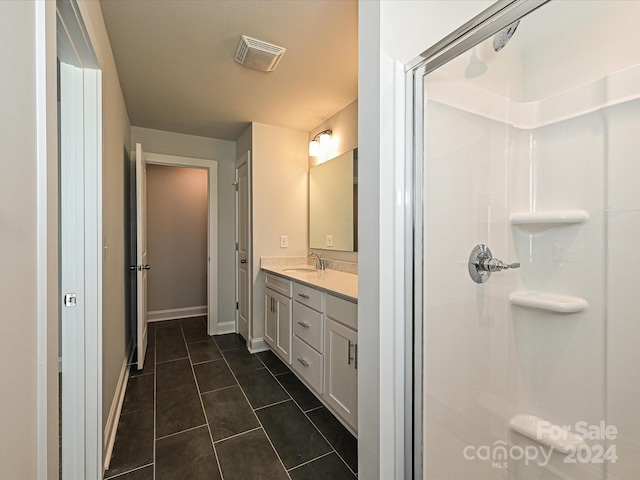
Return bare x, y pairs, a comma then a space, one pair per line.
341, 358
316, 331
278, 310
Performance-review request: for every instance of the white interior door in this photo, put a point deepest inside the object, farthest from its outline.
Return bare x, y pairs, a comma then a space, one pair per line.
243, 256
142, 264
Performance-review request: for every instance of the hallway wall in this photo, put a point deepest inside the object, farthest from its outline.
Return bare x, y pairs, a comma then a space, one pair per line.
115, 141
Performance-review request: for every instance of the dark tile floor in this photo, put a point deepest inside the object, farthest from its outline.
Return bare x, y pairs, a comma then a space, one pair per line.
204, 407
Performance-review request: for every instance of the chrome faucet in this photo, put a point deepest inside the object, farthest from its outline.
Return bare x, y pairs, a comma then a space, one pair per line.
319, 260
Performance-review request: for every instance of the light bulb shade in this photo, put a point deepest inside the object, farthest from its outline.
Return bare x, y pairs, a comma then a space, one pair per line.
325, 142
314, 148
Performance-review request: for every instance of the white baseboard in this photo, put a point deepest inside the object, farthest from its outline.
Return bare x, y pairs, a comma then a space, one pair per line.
111, 426
226, 327
175, 313
258, 345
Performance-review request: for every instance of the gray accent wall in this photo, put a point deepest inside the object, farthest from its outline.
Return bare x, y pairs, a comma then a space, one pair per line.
177, 237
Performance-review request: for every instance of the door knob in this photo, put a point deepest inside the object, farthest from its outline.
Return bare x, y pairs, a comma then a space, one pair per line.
244, 260
133, 267
482, 264
147, 267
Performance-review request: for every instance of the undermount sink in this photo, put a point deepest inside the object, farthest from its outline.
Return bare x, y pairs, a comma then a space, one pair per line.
300, 270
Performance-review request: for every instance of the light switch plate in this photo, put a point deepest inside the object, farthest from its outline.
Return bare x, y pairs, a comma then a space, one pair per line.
284, 241
329, 240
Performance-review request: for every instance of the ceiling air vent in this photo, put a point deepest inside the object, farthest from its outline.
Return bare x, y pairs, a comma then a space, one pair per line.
259, 55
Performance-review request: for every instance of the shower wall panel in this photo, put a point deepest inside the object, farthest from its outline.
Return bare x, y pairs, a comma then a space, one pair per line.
623, 291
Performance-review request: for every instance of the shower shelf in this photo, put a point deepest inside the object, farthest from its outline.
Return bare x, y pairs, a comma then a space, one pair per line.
547, 433
537, 221
549, 302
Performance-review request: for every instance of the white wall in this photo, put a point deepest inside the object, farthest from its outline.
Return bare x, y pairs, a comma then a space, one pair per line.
28, 222
279, 202
344, 125
222, 151
389, 32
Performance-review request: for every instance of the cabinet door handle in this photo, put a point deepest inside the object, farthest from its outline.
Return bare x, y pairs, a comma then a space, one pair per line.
356, 345
349, 357
304, 325
304, 362
303, 295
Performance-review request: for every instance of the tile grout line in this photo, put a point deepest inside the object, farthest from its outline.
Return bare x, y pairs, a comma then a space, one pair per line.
254, 413
237, 435
181, 431
314, 409
208, 361
312, 460
273, 404
121, 474
312, 422
204, 411
217, 389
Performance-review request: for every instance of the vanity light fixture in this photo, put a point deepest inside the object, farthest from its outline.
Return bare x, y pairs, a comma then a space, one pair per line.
321, 143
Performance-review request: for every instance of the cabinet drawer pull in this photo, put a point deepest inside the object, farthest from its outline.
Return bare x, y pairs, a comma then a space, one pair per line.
303, 362
305, 325
303, 295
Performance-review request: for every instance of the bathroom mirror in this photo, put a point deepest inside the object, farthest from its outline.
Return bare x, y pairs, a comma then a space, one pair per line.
333, 204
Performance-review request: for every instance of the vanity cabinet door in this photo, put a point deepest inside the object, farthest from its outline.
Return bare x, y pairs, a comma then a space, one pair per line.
270, 317
283, 333
340, 371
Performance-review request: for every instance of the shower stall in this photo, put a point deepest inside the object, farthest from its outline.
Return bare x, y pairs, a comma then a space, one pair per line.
526, 155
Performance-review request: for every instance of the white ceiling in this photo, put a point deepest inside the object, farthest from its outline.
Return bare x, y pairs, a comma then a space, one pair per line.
177, 72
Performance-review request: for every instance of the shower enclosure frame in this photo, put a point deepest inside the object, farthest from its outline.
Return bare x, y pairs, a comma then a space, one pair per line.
489, 22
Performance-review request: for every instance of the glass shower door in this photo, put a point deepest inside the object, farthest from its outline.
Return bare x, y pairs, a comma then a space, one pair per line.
529, 146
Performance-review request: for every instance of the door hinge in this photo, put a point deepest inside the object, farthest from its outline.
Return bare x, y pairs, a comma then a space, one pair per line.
236, 246
237, 305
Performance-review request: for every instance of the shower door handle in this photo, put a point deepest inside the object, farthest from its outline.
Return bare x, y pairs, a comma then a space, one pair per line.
482, 264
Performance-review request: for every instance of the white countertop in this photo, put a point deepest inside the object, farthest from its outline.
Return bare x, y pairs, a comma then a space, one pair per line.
332, 281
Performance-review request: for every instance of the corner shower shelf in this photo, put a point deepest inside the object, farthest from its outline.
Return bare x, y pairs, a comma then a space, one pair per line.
546, 433
537, 221
549, 302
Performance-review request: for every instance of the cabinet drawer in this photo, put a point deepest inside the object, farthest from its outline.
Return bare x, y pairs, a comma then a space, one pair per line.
309, 296
307, 324
308, 364
342, 311
278, 284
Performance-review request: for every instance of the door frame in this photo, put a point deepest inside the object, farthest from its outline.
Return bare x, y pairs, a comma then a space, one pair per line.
211, 166
239, 162
82, 339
